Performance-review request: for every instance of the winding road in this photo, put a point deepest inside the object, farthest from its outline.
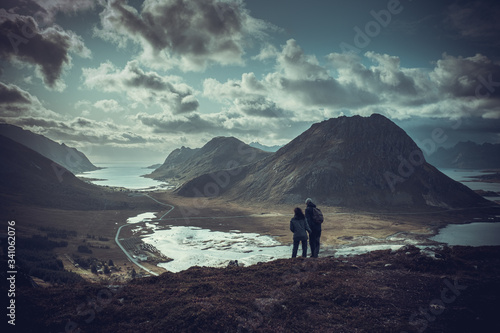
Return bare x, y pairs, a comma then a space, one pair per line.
117, 237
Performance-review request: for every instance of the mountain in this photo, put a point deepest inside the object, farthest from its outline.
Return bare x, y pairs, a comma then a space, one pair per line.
69, 158
218, 154
27, 177
346, 161
265, 148
467, 155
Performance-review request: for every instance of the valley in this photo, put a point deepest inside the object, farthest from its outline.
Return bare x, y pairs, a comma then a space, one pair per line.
165, 257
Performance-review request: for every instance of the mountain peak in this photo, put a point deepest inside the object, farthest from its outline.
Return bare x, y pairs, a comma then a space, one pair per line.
348, 161
217, 154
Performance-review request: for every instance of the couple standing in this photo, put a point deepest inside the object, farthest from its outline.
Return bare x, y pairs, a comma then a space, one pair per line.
309, 222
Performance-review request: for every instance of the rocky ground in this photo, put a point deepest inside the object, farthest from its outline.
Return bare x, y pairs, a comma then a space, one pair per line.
383, 291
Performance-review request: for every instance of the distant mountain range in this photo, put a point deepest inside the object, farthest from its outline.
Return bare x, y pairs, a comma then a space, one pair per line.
70, 158
265, 148
467, 155
219, 153
346, 161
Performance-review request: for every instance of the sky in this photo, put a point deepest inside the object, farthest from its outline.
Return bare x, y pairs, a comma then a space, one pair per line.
129, 80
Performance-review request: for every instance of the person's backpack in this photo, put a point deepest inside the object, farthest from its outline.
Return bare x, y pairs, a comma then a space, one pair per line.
317, 215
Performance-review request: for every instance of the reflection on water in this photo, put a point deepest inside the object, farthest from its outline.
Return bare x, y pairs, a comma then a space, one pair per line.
473, 234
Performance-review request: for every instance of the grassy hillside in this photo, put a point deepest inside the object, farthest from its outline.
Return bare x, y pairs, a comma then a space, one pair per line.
383, 291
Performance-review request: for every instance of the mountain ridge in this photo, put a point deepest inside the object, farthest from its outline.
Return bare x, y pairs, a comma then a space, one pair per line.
219, 153
467, 155
347, 161
27, 177
68, 157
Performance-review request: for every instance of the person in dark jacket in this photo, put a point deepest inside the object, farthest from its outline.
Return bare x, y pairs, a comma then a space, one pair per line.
315, 235
300, 228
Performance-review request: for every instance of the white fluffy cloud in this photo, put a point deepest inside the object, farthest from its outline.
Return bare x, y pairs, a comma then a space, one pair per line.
148, 88
302, 88
108, 105
190, 34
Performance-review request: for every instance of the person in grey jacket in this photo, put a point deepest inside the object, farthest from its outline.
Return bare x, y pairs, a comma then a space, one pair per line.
300, 228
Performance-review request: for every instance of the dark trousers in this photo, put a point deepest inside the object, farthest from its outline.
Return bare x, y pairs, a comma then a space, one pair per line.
296, 247
314, 243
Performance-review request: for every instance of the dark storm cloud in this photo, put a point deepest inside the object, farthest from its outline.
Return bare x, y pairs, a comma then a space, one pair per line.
196, 32
21, 39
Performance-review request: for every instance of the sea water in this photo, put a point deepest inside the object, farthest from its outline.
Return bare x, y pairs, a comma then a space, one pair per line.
127, 175
464, 177
472, 234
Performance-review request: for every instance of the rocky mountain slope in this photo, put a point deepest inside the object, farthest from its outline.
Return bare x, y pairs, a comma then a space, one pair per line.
467, 155
70, 158
27, 177
218, 154
347, 161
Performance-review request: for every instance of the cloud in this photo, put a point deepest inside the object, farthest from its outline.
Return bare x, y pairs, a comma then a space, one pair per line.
474, 20
296, 65
185, 124
190, 34
108, 105
45, 11
302, 88
196, 129
22, 40
20, 108
82, 131
16, 102
148, 88
467, 77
